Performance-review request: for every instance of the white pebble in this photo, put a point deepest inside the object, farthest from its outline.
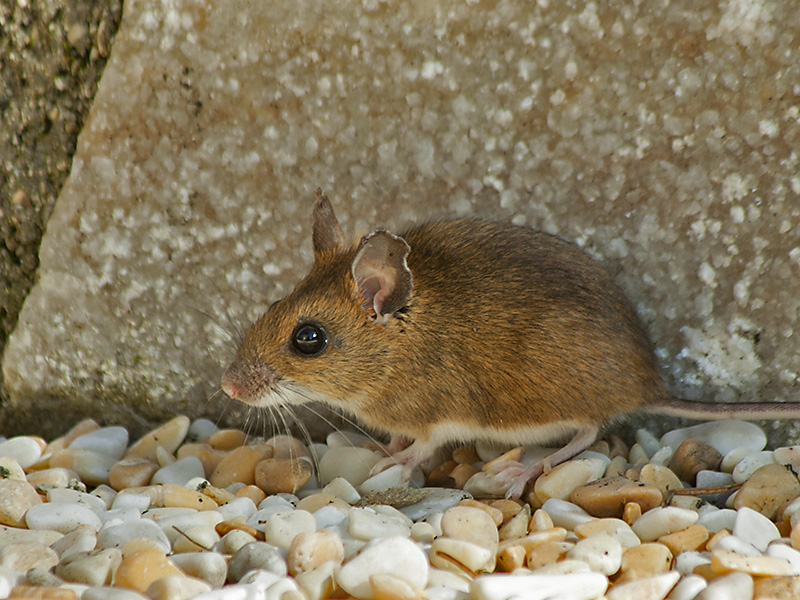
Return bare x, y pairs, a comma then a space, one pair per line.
780, 550
736, 586
282, 527
342, 489
601, 552
647, 441
108, 441
201, 429
69, 496
688, 588
722, 435
329, 516
210, 566
733, 543
563, 479
583, 586
750, 464
25, 450
565, 514
662, 456
353, 464
755, 528
788, 455
179, 472
346, 439
61, 516
706, 478
115, 536
663, 520
139, 502
365, 524
173, 526
397, 556
80, 539
652, 588
394, 476
240, 507
686, 562
716, 520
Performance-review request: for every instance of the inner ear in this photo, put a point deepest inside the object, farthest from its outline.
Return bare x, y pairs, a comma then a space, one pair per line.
327, 234
381, 274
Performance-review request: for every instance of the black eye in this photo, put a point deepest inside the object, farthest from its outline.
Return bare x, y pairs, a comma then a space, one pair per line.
309, 339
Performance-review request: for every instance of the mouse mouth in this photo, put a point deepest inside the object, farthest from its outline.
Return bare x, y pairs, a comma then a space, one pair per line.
249, 383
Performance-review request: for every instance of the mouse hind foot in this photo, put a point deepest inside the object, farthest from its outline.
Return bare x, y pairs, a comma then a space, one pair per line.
517, 475
410, 458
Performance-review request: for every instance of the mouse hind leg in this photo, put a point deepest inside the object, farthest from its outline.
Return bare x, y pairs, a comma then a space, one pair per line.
517, 475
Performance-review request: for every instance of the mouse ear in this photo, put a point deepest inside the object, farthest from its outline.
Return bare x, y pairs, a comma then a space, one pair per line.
327, 233
381, 273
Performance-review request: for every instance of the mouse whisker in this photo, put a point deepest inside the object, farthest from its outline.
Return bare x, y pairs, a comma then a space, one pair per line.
306, 436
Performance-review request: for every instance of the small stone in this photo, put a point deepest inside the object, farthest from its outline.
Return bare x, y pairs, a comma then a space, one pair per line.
395, 556
736, 586
352, 464
648, 558
394, 476
310, 549
565, 514
425, 501
133, 471
93, 468
631, 512
81, 539
169, 436
257, 555
23, 556
389, 587
366, 524
540, 521
722, 435
116, 536
423, 532
687, 562
583, 586
253, 492
495, 514
659, 477
517, 526
195, 538
566, 477
239, 466
16, 497
111, 441
61, 516
647, 588
282, 475
10, 469
693, 456
732, 458
179, 472
43, 593
314, 502
545, 554
608, 497
472, 525
723, 561
287, 446
209, 566
178, 496
234, 540
510, 559
140, 569
70, 496
55, 477
706, 478
754, 528
733, 543
10, 535
768, 489
663, 520
691, 538
282, 527
176, 587
65, 440
461, 556
94, 567
462, 473
227, 439
601, 552
616, 528
777, 588
25, 450
786, 553
208, 456
483, 485
745, 468
717, 520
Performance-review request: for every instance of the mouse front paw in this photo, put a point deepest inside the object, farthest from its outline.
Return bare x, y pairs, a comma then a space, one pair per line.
410, 458
514, 476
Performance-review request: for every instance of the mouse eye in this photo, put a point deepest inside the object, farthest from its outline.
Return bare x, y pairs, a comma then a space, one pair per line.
309, 339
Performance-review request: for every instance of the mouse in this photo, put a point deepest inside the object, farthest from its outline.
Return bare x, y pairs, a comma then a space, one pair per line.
462, 330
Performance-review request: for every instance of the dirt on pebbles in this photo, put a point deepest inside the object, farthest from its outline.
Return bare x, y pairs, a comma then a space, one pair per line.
190, 511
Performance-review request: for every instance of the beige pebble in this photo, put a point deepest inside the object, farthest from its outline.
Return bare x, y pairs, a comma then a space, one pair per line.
317, 584
208, 456
227, 439
16, 497
93, 468
530, 541
239, 466
309, 550
723, 561
22, 556
546, 554
195, 539
287, 446
93, 567
138, 570
607, 497
517, 526
237, 524
55, 477
617, 466
631, 512
83, 427
794, 537
169, 436
133, 471
712, 541
663, 520
660, 477
495, 514
282, 527
282, 475
314, 502
616, 528
691, 538
768, 489
693, 456
177, 587
777, 588
509, 508
255, 493
172, 495
649, 558
648, 588
423, 532
389, 587
513, 455
236, 539
219, 495
466, 455
472, 525
601, 552
441, 472
540, 521
461, 556
10, 469
30, 592
567, 477
462, 473
510, 558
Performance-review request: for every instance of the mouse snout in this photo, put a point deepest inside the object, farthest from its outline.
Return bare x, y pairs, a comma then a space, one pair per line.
246, 382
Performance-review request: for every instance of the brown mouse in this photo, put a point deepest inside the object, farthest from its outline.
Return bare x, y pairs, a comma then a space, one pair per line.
461, 330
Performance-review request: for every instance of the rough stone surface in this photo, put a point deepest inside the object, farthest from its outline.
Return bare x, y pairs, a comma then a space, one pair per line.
660, 138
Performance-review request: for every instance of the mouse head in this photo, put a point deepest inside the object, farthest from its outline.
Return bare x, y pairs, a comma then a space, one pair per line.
326, 339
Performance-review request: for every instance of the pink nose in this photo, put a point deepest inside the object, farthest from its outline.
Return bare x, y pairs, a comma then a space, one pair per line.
230, 388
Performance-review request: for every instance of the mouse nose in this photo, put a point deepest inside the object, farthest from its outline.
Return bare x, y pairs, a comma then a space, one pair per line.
230, 388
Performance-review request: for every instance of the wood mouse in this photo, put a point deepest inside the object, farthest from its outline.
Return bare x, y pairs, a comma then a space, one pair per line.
461, 330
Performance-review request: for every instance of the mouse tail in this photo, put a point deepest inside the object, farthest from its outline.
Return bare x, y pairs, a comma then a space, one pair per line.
706, 411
